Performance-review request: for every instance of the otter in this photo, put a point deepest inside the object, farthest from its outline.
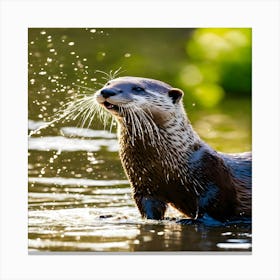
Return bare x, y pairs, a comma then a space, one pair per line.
165, 160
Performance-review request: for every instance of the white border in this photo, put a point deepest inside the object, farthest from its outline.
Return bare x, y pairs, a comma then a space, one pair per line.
17, 16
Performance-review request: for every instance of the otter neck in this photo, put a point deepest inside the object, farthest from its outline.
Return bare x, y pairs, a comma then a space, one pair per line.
171, 141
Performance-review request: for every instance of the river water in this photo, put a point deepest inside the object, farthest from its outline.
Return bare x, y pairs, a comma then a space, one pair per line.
80, 200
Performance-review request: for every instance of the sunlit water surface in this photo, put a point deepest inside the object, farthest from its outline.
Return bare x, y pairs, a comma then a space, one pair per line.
80, 200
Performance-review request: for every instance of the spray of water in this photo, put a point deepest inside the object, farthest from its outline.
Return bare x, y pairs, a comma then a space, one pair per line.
83, 107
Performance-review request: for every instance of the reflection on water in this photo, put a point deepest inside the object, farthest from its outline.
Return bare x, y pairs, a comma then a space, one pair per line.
80, 200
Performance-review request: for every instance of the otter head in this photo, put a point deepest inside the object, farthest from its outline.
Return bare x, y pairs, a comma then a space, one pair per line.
124, 94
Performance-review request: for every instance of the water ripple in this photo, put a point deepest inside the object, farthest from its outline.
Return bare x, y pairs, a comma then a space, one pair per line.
60, 143
76, 181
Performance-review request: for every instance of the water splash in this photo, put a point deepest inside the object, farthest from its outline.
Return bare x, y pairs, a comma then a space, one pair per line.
84, 106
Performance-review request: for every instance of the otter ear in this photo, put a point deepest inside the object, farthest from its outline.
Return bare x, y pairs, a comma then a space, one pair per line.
175, 94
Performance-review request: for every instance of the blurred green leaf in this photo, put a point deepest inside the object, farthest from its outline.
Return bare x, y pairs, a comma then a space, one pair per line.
219, 64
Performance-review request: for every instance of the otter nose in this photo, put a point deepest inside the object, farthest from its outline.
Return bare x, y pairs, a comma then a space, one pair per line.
108, 92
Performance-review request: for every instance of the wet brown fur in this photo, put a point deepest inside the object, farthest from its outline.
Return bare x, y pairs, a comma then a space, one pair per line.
182, 170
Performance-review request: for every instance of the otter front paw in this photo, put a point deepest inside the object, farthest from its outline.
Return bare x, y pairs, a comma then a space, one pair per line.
151, 208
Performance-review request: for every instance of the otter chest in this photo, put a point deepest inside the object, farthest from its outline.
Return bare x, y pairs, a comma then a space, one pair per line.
149, 170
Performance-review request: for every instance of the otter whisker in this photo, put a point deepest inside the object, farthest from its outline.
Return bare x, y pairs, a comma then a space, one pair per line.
144, 126
106, 79
117, 72
111, 75
149, 124
104, 116
103, 72
152, 127
137, 122
141, 124
152, 131
77, 105
134, 130
95, 109
123, 112
101, 84
77, 108
87, 115
111, 125
132, 124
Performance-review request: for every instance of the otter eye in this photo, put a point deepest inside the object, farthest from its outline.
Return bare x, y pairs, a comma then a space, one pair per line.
138, 89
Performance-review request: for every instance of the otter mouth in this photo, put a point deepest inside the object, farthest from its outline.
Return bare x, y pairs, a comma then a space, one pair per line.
110, 106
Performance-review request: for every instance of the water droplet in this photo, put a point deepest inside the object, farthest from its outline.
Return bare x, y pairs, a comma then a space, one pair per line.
71, 43
52, 50
92, 30
72, 53
32, 81
127, 55
42, 73
43, 32
79, 64
49, 59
